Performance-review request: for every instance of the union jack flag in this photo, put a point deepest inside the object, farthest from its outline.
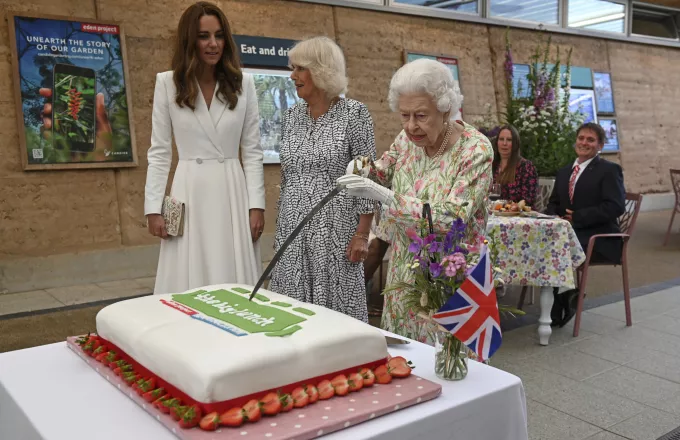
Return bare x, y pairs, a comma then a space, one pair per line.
471, 314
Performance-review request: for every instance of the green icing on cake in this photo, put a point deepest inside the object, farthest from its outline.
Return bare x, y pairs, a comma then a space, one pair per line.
286, 332
261, 297
237, 311
304, 311
240, 290
281, 304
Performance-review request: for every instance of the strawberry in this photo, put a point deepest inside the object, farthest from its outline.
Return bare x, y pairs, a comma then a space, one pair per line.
300, 398
326, 390
340, 385
115, 364
111, 356
286, 402
133, 377
252, 411
158, 402
191, 417
355, 381
99, 350
382, 375
399, 367
178, 411
270, 404
168, 404
146, 385
151, 396
369, 377
312, 392
101, 357
83, 340
233, 417
210, 422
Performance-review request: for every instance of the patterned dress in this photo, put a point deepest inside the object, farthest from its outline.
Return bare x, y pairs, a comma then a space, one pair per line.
525, 186
463, 174
314, 154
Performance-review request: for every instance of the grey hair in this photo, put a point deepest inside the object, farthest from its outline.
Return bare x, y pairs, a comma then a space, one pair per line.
325, 61
426, 76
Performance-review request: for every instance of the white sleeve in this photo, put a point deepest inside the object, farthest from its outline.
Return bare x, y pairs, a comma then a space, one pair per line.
251, 149
160, 151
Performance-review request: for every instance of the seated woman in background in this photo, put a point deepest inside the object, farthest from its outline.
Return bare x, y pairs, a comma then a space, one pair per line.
516, 175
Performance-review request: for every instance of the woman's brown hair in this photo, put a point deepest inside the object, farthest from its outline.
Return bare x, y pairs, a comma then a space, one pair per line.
185, 62
507, 176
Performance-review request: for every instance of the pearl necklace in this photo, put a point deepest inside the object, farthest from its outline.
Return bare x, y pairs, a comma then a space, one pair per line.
445, 143
309, 110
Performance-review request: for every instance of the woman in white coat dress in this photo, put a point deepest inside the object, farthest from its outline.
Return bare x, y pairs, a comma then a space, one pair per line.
210, 107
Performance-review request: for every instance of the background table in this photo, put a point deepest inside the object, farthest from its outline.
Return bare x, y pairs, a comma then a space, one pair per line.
537, 252
49, 393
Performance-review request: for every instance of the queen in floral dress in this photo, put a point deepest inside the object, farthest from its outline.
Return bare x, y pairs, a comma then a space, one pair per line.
436, 160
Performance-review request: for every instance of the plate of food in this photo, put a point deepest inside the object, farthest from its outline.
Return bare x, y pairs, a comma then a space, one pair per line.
510, 209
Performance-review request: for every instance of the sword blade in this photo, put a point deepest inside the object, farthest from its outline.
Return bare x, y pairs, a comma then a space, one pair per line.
292, 236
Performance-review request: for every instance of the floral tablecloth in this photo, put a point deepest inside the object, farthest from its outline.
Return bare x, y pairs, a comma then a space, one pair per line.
536, 252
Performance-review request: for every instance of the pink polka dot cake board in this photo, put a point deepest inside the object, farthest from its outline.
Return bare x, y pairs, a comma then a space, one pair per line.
312, 421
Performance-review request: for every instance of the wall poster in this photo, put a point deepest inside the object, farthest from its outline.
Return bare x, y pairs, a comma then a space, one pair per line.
72, 99
267, 60
276, 93
450, 61
583, 101
604, 94
611, 130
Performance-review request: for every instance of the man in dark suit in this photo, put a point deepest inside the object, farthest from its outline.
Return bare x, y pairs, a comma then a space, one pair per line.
590, 195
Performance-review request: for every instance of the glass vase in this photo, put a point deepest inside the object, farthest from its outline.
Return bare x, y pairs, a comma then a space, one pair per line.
450, 357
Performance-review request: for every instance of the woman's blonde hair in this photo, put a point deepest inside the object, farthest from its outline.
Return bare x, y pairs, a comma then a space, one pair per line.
325, 61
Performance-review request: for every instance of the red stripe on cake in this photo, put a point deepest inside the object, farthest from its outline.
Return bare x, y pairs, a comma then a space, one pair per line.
225, 405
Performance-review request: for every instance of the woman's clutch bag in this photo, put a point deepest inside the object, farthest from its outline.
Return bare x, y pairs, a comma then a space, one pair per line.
173, 213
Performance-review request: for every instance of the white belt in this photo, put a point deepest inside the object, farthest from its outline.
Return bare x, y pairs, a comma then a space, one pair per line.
219, 159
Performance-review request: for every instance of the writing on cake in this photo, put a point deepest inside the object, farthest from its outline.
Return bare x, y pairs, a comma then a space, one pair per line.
237, 311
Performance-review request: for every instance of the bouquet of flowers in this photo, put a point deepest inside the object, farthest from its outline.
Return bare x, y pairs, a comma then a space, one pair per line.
440, 266
541, 114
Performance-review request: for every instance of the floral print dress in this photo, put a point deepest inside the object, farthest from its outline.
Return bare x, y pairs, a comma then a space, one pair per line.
463, 174
525, 186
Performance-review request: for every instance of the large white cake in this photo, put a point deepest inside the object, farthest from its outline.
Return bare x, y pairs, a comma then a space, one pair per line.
214, 345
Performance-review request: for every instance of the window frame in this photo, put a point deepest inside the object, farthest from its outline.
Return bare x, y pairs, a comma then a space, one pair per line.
558, 25
443, 13
390, 6
627, 10
653, 8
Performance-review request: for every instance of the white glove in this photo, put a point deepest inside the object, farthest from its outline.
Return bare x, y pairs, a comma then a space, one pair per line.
358, 186
363, 170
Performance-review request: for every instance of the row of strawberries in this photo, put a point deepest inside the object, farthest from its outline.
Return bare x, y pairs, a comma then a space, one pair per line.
270, 405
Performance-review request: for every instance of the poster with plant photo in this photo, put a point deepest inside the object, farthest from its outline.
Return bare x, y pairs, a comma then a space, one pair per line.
72, 98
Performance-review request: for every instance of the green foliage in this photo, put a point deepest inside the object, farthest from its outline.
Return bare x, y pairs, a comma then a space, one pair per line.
546, 126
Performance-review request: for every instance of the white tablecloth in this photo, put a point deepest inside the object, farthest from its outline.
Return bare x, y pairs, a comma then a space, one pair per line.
49, 393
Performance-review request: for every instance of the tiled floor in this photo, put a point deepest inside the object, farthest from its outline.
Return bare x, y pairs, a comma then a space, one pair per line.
612, 382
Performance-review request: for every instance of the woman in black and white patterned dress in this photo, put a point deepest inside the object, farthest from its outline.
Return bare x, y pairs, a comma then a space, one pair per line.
324, 264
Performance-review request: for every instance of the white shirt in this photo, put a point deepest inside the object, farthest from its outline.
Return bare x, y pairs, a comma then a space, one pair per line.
581, 167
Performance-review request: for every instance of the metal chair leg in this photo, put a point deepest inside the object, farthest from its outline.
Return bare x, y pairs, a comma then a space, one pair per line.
670, 225
626, 290
581, 293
